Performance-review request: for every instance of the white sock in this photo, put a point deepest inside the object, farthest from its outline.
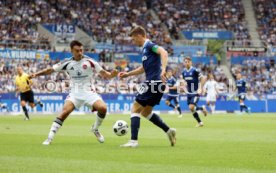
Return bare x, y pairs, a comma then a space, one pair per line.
214, 108
54, 128
97, 123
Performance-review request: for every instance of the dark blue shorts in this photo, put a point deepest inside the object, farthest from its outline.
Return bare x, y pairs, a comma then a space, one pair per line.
173, 98
242, 97
192, 99
150, 93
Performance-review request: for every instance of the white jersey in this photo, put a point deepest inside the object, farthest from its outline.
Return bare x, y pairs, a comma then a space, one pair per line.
80, 73
211, 87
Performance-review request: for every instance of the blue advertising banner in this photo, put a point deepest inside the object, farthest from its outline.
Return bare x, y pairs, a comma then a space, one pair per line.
122, 102
24, 54
240, 59
62, 28
222, 35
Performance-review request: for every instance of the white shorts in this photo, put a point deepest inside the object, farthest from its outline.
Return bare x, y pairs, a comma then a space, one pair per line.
211, 98
83, 99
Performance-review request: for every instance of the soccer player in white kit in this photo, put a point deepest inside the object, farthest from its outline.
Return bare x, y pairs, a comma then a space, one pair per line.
211, 88
80, 69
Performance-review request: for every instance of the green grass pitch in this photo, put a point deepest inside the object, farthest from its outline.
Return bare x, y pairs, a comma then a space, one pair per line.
227, 143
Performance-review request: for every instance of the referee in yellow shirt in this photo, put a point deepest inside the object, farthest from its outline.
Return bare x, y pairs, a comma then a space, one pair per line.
23, 86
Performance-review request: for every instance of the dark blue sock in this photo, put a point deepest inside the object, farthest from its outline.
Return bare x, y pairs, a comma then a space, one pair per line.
179, 109
155, 119
196, 116
241, 108
198, 108
246, 108
171, 105
135, 125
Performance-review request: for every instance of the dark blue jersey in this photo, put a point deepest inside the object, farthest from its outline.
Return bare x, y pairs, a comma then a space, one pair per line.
192, 78
172, 82
241, 85
151, 61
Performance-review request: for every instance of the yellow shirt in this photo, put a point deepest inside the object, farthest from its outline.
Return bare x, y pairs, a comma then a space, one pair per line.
23, 83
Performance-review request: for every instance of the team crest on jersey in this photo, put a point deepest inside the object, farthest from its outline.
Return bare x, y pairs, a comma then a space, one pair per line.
144, 58
84, 66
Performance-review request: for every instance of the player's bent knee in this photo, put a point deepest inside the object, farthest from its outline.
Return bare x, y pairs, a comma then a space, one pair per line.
102, 109
191, 107
145, 113
167, 102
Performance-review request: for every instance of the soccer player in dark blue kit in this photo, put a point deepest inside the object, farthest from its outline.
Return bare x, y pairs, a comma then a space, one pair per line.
241, 87
154, 62
173, 93
194, 83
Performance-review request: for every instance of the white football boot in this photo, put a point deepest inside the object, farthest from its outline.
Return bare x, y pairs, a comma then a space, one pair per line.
98, 135
171, 135
47, 141
130, 144
199, 124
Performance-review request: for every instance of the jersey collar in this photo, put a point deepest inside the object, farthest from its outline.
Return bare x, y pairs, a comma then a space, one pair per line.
188, 70
146, 42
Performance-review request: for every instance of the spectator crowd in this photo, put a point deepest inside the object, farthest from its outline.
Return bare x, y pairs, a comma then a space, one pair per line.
266, 19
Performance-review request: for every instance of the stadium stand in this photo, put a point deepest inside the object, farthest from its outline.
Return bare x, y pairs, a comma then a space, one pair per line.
110, 21
206, 15
259, 73
18, 24
265, 14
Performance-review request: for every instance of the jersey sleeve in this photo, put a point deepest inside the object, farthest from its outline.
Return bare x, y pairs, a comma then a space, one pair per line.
153, 47
174, 82
183, 76
61, 66
95, 65
198, 73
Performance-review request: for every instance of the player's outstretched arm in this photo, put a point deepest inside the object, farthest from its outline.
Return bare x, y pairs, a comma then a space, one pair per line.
164, 60
42, 72
135, 72
202, 82
109, 75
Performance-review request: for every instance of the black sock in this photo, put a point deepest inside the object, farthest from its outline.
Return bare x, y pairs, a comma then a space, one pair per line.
135, 125
155, 119
101, 115
171, 105
179, 109
25, 111
196, 116
198, 108
39, 102
59, 121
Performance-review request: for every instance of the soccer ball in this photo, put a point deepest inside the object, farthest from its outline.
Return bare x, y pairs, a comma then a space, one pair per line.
120, 128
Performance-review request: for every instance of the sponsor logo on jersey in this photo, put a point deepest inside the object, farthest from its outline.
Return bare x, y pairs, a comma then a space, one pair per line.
188, 78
